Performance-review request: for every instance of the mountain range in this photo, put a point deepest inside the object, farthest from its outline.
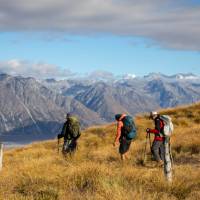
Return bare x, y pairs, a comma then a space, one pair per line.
32, 109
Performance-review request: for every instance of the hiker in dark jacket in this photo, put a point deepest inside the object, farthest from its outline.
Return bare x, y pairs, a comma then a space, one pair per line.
121, 139
71, 133
157, 147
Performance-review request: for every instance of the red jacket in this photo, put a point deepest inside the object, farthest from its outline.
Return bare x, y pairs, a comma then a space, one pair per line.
159, 128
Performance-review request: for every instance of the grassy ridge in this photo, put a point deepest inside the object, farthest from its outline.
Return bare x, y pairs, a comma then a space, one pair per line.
96, 172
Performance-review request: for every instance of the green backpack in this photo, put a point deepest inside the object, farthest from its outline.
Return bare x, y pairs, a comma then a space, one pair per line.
73, 127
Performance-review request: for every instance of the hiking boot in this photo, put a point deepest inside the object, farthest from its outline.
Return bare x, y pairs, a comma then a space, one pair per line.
160, 163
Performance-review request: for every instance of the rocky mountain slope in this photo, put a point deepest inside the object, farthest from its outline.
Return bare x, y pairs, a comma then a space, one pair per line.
35, 109
29, 110
132, 94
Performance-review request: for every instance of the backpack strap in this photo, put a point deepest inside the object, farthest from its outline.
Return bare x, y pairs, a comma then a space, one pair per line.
159, 125
122, 117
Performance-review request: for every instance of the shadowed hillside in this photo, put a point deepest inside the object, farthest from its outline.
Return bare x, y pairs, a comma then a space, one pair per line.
38, 172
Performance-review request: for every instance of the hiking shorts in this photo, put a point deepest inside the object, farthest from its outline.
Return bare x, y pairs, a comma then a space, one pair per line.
124, 145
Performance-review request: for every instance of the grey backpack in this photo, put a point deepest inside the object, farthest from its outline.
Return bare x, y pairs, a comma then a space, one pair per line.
168, 125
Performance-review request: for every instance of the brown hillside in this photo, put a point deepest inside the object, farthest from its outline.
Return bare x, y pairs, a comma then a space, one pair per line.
38, 172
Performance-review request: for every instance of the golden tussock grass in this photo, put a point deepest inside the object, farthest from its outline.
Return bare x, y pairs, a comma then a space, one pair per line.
38, 172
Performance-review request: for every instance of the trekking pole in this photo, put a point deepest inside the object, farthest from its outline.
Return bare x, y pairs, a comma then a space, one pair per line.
58, 144
145, 149
150, 143
149, 140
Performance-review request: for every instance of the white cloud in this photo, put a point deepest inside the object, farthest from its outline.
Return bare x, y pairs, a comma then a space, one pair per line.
172, 24
38, 70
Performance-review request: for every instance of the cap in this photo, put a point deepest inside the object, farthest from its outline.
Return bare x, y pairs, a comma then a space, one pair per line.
153, 113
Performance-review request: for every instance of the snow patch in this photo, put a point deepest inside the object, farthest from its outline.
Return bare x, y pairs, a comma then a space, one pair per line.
129, 76
187, 77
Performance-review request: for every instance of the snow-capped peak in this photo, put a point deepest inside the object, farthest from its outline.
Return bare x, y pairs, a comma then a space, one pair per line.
129, 76
186, 76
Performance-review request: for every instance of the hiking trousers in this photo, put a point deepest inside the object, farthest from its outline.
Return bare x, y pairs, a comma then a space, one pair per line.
158, 150
69, 146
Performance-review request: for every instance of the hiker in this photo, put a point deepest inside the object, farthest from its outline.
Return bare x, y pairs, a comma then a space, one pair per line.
157, 147
71, 133
126, 132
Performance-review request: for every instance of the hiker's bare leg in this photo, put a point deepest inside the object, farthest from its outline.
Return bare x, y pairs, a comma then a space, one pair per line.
124, 156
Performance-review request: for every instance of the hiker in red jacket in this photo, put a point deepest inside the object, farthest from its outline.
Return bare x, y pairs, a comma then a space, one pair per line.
157, 147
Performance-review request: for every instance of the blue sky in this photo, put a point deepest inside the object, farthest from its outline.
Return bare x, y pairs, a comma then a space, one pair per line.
117, 37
